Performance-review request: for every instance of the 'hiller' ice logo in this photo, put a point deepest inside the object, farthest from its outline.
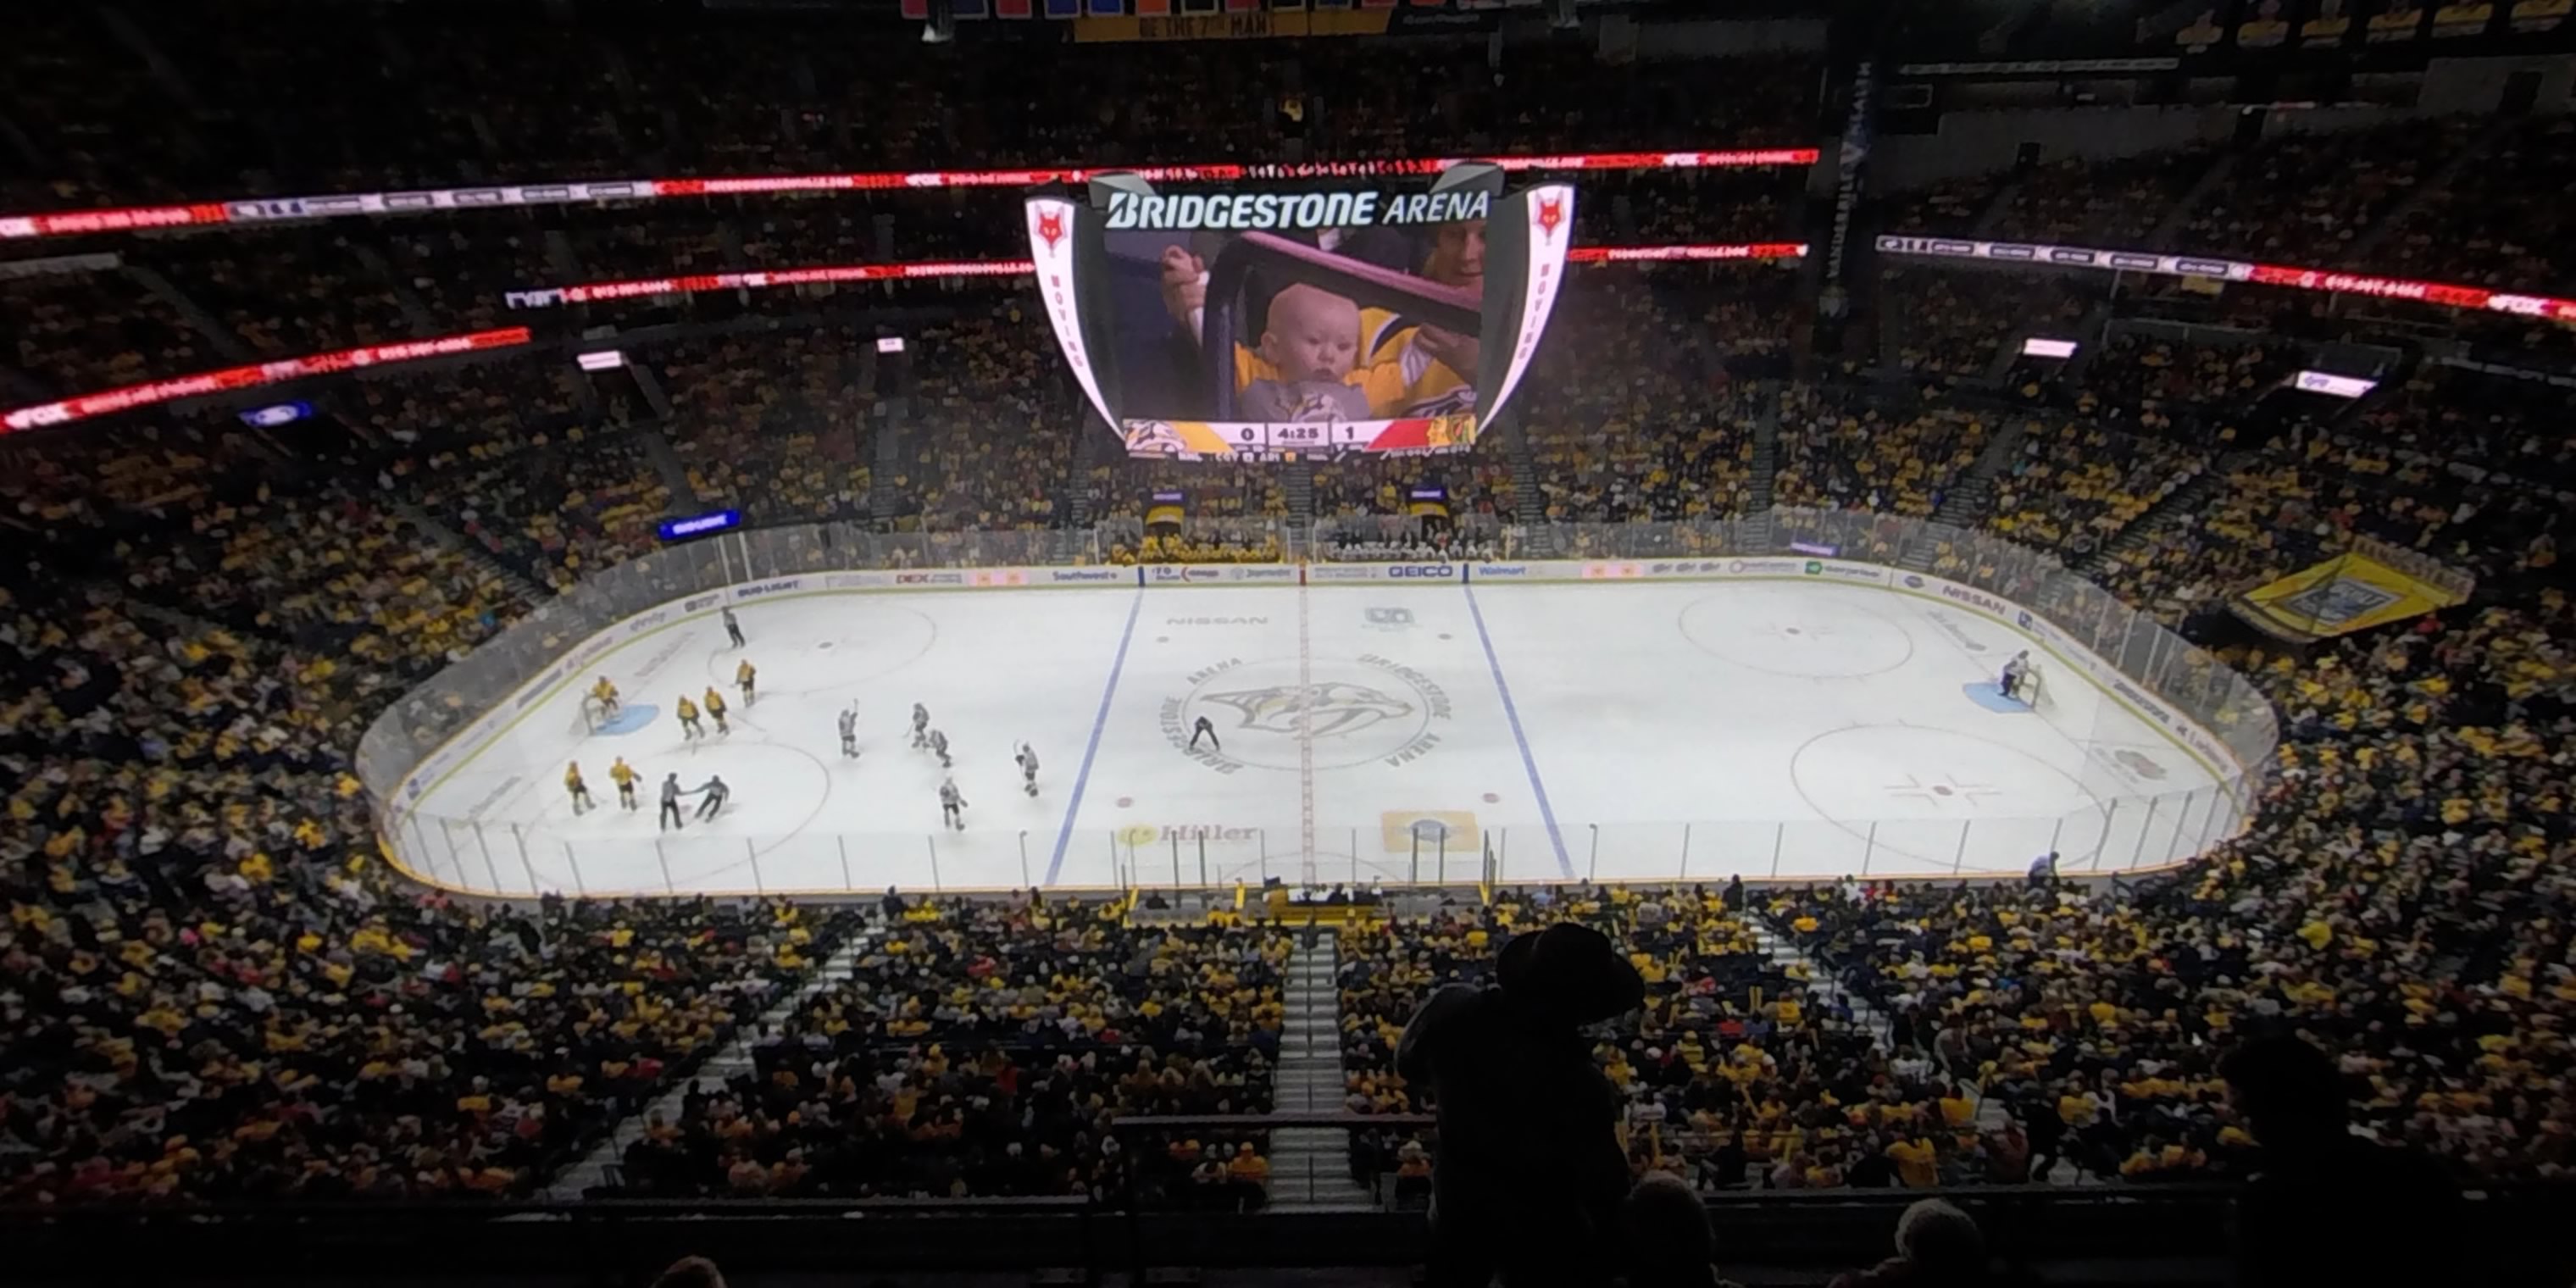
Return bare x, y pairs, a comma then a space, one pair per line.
1051, 228
1332, 707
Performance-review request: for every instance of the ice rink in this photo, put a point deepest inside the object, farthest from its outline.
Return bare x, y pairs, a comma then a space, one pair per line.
1631, 731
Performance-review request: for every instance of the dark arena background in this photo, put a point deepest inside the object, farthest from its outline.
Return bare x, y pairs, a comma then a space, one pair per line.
1260, 642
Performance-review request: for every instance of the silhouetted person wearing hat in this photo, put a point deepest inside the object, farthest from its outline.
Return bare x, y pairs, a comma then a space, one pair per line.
2319, 1193
1530, 1176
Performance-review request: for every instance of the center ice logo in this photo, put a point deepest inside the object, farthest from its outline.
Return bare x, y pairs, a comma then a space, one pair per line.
1330, 709
1350, 711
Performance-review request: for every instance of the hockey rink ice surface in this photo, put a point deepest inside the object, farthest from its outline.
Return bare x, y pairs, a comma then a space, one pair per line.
1630, 731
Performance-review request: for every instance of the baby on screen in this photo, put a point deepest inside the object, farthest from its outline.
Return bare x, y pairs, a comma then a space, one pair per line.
1310, 342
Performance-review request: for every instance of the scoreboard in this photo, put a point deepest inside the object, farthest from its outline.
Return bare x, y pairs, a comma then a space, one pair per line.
1264, 324
1298, 440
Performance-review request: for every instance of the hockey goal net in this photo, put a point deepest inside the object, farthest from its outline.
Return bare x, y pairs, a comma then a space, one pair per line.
594, 712
2033, 689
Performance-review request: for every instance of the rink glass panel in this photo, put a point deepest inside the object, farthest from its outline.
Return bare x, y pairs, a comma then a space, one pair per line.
414, 740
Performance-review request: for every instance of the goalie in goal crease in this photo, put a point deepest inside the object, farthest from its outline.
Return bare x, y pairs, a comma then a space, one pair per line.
2020, 680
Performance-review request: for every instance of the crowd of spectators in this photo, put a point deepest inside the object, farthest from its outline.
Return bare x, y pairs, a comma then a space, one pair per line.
79, 331
2477, 228
2075, 484
982, 1049
2303, 197
1628, 410
2118, 203
1950, 326
776, 425
212, 987
2398, 898
1734, 1073
1840, 453
2156, 381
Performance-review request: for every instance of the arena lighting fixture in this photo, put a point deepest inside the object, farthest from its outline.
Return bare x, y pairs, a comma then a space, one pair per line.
2040, 347
603, 360
597, 292
2332, 385
285, 413
253, 210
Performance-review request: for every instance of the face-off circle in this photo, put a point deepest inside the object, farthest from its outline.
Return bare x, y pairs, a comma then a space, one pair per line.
1796, 635
1914, 792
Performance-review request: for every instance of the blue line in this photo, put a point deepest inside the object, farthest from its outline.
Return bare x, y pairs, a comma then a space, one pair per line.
1082, 777
1546, 812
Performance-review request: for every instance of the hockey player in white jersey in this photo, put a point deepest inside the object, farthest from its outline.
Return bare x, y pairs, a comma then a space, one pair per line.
920, 726
952, 805
939, 748
2015, 677
1028, 759
850, 731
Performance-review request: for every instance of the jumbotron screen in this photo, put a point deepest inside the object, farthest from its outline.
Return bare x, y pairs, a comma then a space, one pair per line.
1285, 324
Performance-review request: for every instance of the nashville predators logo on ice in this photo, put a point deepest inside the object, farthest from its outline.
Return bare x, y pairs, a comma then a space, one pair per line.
1331, 713
1325, 709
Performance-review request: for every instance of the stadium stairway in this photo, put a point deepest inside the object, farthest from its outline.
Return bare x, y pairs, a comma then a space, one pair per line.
2169, 228
1299, 485
416, 312
595, 1168
1529, 506
1310, 1167
1766, 462
2171, 508
2360, 248
1965, 502
1999, 367
667, 464
1824, 985
561, 258
1996, 208
884, 501
224, 339
520, 579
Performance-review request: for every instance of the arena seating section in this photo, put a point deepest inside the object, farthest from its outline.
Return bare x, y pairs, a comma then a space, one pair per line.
212, 988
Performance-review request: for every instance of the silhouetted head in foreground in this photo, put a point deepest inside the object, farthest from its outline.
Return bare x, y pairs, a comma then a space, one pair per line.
1569, 975
2288, 1092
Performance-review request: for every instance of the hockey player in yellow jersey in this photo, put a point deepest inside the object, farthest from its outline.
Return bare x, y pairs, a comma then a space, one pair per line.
744, 676
688, 713
624, 776
607, 695
716, 708
575, 788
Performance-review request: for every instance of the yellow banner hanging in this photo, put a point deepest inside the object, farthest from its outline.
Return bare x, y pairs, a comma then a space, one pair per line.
2370, 585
